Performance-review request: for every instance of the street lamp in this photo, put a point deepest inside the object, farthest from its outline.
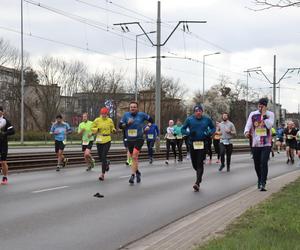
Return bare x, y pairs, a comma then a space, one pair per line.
136, 50
22, 80
216, 53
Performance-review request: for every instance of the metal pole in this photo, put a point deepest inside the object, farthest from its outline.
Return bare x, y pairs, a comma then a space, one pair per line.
22, 80
135, 82
203, 86
158, 73
274, 93
247, 100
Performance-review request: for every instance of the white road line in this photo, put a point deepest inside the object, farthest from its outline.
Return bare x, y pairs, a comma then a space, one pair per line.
49, 189
183, 168
125, 176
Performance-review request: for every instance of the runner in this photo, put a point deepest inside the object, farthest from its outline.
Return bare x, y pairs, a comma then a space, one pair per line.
133, 123
290, 141
216, 141
279, 137
170, 141
197, 125
259, 125
85, 129
298, 145
152, 133
60, 129
6, 129
103, 126
179, 138
273, 131
228, 130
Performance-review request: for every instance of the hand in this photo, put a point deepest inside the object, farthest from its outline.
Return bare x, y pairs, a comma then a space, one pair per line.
228, 131
247, 135
263, 110
82, 130
89, 135
114, 130
147, 128
130, 121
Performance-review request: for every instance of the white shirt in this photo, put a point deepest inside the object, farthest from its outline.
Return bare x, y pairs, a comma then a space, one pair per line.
2, 122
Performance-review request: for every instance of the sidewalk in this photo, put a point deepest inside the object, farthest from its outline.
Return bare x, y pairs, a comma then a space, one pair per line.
210, 221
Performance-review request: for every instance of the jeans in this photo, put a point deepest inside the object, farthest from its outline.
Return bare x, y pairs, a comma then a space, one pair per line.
226, 149
261, 158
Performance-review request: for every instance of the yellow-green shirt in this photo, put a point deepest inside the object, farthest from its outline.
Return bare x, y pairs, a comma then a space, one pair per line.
87, 135
103, 127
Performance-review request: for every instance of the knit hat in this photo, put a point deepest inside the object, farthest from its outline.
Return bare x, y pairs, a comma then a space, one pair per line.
104, 111
198, 107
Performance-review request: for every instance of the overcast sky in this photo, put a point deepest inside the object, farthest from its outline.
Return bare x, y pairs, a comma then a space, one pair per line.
244, 37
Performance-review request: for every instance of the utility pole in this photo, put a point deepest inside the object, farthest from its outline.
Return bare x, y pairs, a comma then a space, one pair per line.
247, 93
274, 83
158, 46
22, 79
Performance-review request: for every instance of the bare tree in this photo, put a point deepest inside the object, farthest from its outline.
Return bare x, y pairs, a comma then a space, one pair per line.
268, 4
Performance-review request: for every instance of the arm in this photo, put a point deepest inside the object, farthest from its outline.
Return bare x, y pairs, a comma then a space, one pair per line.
184, 127
248, 126
112, 126
212, 127
233, 130
269, 120
10, 128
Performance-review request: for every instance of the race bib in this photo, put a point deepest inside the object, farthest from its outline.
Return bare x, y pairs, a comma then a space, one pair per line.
198, 145
179, 137
290, 137
132, 132
150, 136
261, 131
64, 141
98, 139
84, 143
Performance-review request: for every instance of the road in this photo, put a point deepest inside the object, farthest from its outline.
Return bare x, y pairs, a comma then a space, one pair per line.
56, 210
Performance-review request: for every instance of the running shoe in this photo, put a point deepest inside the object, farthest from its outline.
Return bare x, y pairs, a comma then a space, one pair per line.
4, 180
292, 161
221, 167
107, 166
138, 176
288, 161
218, 161
58, 168
263, 188
167, 162
131, 180
65, 162
258, 185
150, 161
196, 187
101, 177
93, 163
188, 156
89, 168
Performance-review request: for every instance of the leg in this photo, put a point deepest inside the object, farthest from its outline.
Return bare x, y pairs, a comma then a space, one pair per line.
257, 152
265, 153
197, 157
168, 149
229, 149
173, 145
179, 143
222, 154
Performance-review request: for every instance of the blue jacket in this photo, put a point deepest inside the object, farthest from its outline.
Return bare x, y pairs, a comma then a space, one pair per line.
152, 133
136, 129
199, 129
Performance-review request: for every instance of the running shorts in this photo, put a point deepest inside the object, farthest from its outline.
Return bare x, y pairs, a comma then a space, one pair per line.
135, 144
89, 146
3, 150
59, 145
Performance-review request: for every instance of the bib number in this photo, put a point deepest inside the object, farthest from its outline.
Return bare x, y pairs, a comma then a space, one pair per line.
179, 137
290, 137
198, 145
261, 131
98, 139
217, 137
132, 132
64, 142
150, 136
84, 143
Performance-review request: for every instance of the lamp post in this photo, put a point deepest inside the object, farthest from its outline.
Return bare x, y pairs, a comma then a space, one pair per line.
22, 80
136, 71
216, 53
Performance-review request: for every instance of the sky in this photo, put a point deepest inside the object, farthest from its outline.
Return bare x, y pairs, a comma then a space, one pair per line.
244, 38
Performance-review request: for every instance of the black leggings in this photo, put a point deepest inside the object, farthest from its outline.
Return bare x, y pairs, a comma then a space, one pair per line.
217, 147
102, 153
208, 148
197, 157
226, 149
150, 145
179, 143
171, 142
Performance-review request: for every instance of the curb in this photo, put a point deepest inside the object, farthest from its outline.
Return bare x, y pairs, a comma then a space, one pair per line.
206, 223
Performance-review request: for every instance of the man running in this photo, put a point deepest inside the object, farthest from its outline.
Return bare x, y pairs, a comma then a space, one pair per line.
152, 133
259, 125
216, 141
60, 129
133, 123
195, 127
85, 129
279, 138
227, 130
179, 138
6, 129
290, 142
170, 141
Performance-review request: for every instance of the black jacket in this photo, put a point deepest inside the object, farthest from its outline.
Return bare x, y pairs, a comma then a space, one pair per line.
8, 129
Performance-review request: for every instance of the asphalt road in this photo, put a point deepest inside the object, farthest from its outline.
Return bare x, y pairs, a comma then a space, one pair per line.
56, 210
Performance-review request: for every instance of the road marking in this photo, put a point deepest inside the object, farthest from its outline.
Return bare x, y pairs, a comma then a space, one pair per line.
125, 176
183, 168
49, 189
